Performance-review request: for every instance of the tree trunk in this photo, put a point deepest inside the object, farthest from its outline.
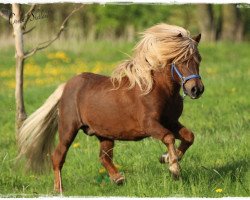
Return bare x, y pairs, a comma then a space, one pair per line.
232, 24
129, 33
206, 22
239, 32
18, 34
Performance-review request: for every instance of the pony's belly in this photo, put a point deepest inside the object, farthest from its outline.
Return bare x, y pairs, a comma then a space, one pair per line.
128, 136
115, 133
125, 136
112, 122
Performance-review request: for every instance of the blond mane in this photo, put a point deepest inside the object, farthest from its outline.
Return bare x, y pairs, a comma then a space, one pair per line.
159, 44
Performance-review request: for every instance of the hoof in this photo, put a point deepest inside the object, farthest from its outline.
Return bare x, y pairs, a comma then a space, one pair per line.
164, 158
58, 191
175, 171
118, 179
175, 177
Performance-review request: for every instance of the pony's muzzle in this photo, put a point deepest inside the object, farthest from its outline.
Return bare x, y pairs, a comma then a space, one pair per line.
197, 91
194, 88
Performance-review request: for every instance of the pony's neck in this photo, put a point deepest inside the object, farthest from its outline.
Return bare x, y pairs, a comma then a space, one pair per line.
163, 79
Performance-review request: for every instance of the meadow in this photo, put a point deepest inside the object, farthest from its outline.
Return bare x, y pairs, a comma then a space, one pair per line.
217, 165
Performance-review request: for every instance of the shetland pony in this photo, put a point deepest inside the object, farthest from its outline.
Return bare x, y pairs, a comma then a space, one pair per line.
141, 99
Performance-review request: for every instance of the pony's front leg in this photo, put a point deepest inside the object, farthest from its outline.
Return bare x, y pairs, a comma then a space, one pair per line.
187, 138
156, 130
106, 156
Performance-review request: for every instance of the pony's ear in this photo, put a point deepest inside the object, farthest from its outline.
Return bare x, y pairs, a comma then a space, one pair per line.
179, 35
197, 38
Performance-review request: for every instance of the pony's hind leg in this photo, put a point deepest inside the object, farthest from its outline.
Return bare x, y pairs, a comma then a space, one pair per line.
106, 156
66, 137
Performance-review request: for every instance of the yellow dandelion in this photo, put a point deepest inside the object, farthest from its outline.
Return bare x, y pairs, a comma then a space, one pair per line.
60, 55
102, 170
76, 145
218, 190
98, 68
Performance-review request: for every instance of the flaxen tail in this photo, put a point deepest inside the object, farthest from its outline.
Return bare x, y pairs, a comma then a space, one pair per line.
36, 135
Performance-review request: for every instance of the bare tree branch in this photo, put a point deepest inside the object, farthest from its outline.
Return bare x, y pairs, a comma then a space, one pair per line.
45, 44
27, 16
4, 15
31, 29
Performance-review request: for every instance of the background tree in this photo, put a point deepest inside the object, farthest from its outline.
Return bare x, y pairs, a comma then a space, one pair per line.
232, 24
206, 21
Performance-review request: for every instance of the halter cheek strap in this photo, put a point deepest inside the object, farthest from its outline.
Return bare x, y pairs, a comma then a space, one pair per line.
183, 78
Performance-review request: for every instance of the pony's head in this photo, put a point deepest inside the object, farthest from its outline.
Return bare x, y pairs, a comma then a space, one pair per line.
161, 46
186, 72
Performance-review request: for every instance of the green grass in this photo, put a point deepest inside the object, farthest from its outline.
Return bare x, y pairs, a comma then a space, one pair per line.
219, 158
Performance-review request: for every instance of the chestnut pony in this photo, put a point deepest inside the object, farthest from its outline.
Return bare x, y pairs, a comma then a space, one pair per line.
141, 99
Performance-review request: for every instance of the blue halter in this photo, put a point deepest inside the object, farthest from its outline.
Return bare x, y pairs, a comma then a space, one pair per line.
183, 78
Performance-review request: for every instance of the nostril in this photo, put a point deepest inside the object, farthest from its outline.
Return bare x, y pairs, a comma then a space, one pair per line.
194, 90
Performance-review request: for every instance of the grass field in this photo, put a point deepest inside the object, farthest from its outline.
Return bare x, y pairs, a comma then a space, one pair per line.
216, 165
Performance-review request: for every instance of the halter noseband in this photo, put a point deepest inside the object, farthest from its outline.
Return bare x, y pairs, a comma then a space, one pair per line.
183, 78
